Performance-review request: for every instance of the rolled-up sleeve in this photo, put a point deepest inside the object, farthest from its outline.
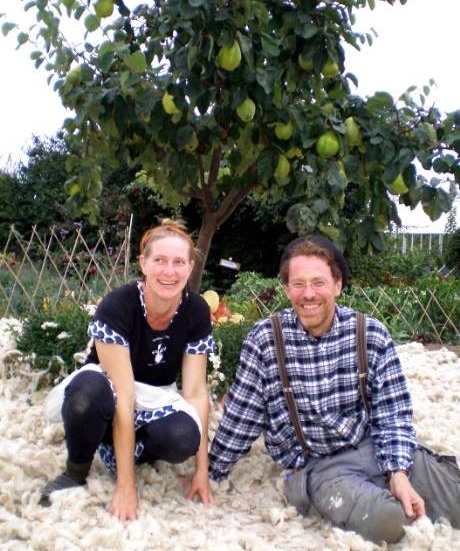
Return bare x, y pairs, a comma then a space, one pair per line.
244, 414
391, 416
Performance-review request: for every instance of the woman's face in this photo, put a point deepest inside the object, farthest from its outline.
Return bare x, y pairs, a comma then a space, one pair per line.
167, 266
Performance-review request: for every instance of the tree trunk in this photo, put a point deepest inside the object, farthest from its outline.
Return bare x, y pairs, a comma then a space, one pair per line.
207, 230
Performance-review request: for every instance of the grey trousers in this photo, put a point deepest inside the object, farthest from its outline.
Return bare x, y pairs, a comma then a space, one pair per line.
349, 490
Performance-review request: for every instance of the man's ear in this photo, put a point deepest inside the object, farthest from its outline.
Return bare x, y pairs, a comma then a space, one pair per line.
338, 287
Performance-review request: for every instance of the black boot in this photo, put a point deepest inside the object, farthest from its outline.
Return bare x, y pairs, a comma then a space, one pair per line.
74, 476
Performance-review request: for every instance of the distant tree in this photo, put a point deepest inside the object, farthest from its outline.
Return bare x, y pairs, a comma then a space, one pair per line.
216, 100
9, 203
42, 179
452, 255
451, 223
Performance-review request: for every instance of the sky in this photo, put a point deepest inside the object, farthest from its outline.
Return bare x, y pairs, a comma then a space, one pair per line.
416, 42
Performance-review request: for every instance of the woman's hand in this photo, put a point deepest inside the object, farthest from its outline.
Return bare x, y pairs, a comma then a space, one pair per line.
124, 502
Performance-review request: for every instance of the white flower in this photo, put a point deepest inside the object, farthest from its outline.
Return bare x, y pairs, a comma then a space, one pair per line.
49, 325
63, 335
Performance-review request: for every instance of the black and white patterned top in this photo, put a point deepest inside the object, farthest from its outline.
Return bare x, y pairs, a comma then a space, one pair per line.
156, 356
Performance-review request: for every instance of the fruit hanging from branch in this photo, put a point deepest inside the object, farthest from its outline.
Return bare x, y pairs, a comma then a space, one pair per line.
328, 145
229, 57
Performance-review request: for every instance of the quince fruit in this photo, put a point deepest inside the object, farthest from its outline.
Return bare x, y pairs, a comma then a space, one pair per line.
282, 169
305, 63
229, 57
283, 131
328, 145
398, 186
169, 105
103, 8
246, 110
330, 69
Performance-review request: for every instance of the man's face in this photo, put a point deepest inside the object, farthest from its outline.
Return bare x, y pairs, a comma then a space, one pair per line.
312, 291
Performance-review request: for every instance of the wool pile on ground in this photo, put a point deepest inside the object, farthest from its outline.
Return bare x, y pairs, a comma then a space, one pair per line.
250, 514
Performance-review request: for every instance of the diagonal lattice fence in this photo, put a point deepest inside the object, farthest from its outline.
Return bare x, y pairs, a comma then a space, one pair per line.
43, 270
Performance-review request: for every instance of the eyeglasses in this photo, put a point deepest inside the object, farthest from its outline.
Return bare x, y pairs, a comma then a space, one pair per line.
316, 285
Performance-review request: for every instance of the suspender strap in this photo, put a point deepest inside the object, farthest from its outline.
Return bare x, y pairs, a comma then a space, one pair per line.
280, 357
294, 414
361, 345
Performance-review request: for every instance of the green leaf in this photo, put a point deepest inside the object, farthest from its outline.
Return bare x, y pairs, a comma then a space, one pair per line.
265, 166
266, 78
270, 47
136, 62
22, 38
7, 27
379, 101
309, 30
92, 23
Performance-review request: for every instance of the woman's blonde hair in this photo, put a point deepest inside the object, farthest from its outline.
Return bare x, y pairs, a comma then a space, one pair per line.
167, 228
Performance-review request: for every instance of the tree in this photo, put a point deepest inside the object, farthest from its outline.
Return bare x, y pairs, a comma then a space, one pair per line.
452, 255
214, 100
34, 194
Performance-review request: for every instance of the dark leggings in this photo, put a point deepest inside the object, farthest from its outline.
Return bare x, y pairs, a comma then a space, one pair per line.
88, 411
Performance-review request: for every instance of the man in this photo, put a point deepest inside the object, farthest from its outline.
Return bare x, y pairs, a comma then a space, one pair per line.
363, 469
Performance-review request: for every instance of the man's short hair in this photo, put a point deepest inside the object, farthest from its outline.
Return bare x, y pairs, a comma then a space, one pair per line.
315, 245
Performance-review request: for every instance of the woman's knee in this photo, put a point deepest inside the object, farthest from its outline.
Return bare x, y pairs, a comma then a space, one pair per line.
173, 438
88, 394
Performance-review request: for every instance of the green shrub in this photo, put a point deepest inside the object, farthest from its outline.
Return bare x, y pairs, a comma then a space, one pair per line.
255, 296
229, 338
392, 267
51, 341
452, 254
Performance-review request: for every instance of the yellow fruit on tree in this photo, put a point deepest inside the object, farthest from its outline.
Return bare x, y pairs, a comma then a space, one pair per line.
305, 63
246, 110
103, 8
212, 298
283, 131
353, 133
169, 105
282, 168
229, 57
74, 75
398, 186
330, 69
328, 145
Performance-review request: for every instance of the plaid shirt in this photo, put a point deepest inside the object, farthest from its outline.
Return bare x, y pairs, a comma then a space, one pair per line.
323, 375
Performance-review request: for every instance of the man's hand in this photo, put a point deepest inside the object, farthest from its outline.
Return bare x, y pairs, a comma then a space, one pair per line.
401, 488
124, 503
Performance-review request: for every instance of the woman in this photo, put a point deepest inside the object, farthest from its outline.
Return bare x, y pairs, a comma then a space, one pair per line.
145, 333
